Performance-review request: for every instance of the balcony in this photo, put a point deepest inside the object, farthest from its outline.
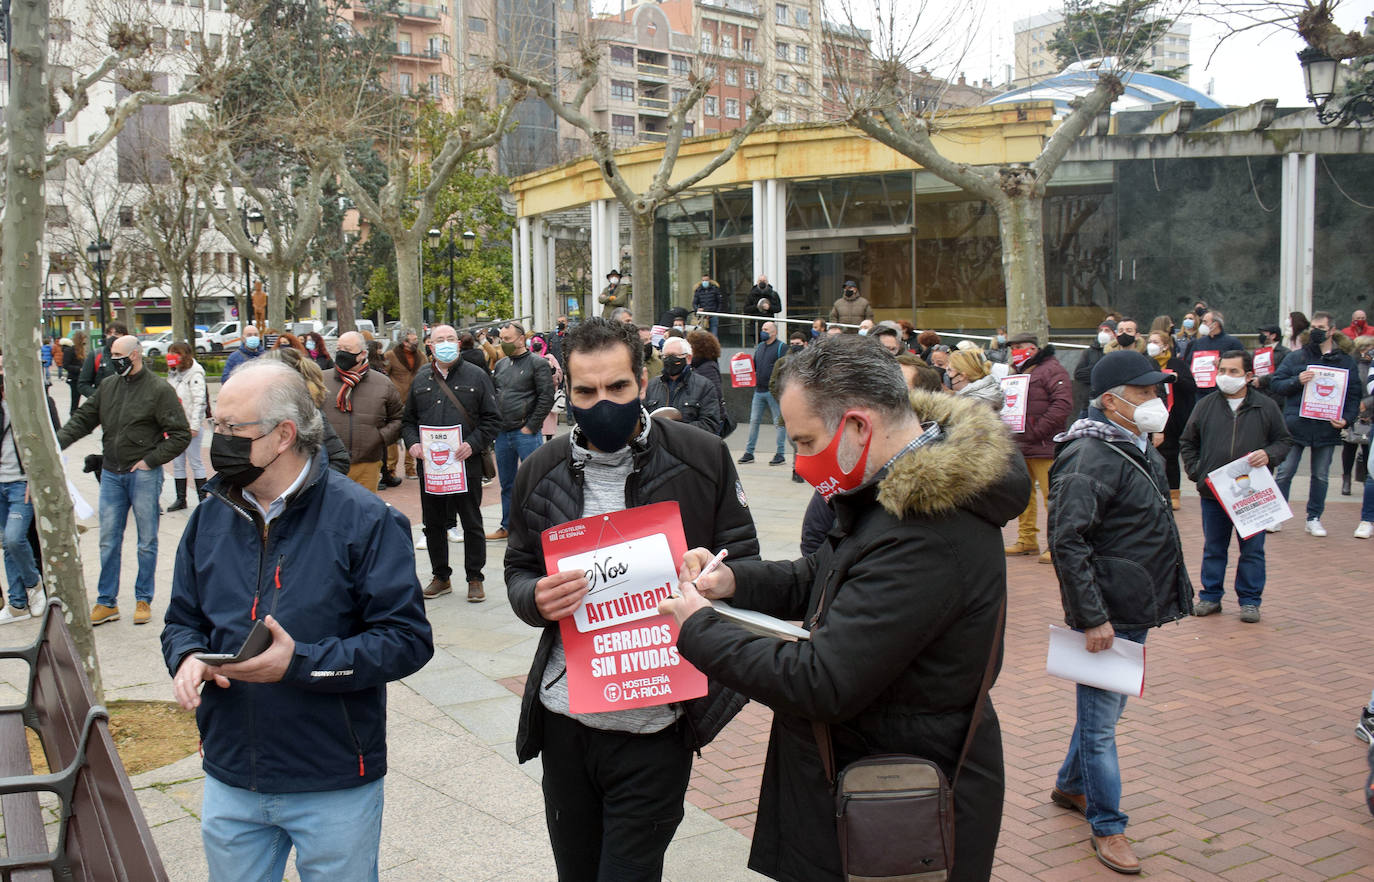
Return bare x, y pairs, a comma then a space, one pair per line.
406, 10
415, 53
653, 106
656, 137
658, 72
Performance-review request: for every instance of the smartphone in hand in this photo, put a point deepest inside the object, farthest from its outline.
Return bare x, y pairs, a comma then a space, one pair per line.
255, 644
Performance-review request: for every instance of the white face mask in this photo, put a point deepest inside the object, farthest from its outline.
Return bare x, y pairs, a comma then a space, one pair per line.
1104, 337
1205, 330
1230, 385
1152, 416
1153, 349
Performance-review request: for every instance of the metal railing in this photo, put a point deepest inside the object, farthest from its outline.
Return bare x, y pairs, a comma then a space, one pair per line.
809, 321
656, 70
654, 103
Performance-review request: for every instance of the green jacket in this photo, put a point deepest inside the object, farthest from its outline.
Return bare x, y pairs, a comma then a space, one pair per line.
142, 419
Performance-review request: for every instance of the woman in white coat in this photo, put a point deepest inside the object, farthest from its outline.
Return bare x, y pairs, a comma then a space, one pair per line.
188, 379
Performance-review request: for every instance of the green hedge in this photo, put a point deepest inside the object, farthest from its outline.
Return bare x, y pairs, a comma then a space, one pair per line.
213, 364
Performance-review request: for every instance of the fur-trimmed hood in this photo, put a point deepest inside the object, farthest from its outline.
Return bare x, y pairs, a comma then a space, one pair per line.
974, 465
1343, 343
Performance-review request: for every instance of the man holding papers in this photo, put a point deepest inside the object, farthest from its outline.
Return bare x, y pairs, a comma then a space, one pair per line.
1117, 554
1239, 421
901, 601
613, 781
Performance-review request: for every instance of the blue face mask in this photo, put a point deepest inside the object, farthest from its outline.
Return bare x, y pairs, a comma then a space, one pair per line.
1001, 339
446, 351
1188, 324
252, 342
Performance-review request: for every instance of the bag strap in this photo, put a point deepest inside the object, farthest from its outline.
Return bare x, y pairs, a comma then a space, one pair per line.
1138, 467
822, 730
443, 384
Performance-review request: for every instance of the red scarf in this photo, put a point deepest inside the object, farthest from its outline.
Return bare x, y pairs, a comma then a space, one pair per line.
349, 379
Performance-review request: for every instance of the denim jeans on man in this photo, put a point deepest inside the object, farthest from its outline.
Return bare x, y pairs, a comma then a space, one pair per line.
119, 492
1217, 530
764, 399
20, 567
1321, 465
512, 448
1091, 767
1367, 503
248, 835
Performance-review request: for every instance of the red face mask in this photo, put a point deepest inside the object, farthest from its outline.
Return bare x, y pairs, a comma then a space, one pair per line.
173, 361
1020, 357
822, 470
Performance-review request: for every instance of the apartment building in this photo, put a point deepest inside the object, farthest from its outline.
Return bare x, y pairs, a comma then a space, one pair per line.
1034, 61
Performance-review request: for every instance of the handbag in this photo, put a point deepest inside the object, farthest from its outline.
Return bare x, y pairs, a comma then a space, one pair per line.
894, 813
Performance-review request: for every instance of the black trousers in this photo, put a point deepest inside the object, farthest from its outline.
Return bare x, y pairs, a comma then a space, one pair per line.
612, 800
437, 514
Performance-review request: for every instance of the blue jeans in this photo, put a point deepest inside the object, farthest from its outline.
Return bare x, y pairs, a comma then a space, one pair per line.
512, 448
248, 835
1091, 768
1367, 503
1216, 542
1321, 464
118, 494
20, 567
764, 399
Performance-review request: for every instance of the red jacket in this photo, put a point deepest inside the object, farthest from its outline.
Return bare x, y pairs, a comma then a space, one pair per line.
1364, 328
1048, 406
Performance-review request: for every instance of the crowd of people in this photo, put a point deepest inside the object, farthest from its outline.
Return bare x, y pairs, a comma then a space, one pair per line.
902, 434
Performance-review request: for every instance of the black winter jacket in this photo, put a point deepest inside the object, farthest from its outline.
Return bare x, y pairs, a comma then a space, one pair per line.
1112, 535
337, 570
524, 386
896, 662
1310, 432
1216, 435
708, 298
692, 394
676, 463
427, 405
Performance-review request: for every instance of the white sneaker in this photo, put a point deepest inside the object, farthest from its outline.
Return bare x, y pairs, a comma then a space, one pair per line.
10, 615
38, 600
1364, 530
455, 534
421, 544
1274, 529
1314, 526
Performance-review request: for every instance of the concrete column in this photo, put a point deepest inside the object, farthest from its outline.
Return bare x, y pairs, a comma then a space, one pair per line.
612, 209
553, 301
515, 264
597, 227
539, 291
1297, 234
760, 232
526, 271
778, 232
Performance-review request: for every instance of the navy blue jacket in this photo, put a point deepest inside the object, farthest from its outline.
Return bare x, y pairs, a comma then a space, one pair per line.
1310, 432
240, 356
766, 355
348, 596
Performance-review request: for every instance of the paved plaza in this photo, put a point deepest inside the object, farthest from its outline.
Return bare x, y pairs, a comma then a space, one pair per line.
1240, 762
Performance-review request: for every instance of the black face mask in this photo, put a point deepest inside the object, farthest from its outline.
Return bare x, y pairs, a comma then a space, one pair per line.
1317, 336
346, 360
795, 348
121, 366
562, 326
674, 365
1125, 341
608, 426
232, 458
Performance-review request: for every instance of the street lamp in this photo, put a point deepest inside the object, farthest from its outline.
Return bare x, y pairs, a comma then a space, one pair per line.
99, 253
253, 225
435, 237
1322, 75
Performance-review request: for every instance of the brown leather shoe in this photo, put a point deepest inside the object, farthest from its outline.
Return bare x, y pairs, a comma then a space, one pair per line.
438, 588
101, 614
475, 592
143, 613
1022, 548
1076, 801
1045, 557
1115, 853
497, 536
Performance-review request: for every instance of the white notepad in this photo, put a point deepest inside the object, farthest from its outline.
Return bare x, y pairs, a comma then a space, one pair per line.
760, 623
1119, 669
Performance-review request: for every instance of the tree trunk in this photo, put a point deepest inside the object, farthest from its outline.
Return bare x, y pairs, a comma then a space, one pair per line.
408, 280
642, 270
277, 277
340, 280
1020, 223
21, 237
181, 321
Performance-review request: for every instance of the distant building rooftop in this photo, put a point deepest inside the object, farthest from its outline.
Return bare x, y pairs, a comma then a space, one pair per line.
1077, 80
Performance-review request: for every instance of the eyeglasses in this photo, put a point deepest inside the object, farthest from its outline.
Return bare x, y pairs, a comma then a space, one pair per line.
224, 427
939, 347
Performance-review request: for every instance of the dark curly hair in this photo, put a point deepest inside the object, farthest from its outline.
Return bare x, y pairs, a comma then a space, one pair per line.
705, 346
595, 334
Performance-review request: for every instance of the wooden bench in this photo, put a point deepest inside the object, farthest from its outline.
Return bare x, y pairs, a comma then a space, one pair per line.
101, 833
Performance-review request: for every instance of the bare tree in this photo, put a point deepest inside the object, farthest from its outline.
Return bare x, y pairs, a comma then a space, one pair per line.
173, 219
642, 206
1314, 22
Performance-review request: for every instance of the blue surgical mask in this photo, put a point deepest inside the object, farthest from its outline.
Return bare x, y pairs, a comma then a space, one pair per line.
1188, 324
447, 351
252, 342
1001, 339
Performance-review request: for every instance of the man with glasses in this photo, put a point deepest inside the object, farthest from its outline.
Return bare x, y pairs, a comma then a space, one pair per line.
294, 736
143, 428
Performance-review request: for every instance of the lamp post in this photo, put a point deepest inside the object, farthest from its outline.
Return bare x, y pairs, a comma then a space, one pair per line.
469, 242
99, 253
253, 225
1322, 76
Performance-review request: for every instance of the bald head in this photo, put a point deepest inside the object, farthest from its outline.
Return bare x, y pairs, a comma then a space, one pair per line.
127, 347
352, 341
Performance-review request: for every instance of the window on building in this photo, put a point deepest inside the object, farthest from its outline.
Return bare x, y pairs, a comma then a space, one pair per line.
622, 90
803, 55
732, 76
803, 87
59, 30
215, 41
477, 25
404, 84
622, 124
436, 84
751, 79
746, 44
781, 12
126, 216
802, 116
57, 215
706, 44
709, 71
176, 39
679, 95
784, 51
624, 56
216, 4
727, 41
784, 114
712, 107
782, 83
688, 129
682, 65
802, 17
732, 108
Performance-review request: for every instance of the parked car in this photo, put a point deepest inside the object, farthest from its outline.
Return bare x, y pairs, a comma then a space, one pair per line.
155, 345
225, 335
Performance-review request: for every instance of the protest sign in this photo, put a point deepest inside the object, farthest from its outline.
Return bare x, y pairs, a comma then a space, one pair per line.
1015, 397
1250, 496
1204, 368
1323, 397
445, 473
656, 335
742, 371
621, 653
1264, 361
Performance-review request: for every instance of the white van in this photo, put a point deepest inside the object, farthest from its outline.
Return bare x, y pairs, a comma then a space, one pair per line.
225, 335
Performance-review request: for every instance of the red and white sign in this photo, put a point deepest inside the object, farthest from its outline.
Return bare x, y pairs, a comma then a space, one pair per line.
742, 371
1323, 398
1250, 496
1169, 389
1264, 361
621, 653
445, 473
1204, 368
1015, 398
656, 335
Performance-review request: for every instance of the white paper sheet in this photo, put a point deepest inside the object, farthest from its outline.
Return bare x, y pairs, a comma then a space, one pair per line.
760, 623
1119, 669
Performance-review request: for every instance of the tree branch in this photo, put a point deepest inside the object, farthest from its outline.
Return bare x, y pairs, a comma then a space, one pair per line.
118, 117
1107, 90
758, 114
